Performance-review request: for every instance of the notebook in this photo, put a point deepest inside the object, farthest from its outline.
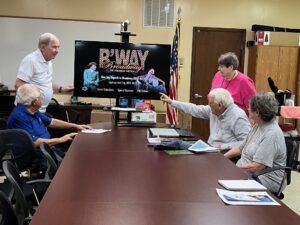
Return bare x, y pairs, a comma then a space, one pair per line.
242, 185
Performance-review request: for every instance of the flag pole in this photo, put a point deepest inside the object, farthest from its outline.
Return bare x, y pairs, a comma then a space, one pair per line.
172, 113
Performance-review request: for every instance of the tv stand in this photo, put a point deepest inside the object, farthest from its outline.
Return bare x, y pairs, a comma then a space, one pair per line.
118, 119
126, 121
134, 124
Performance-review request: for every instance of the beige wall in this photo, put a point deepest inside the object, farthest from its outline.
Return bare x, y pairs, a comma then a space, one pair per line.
213, 13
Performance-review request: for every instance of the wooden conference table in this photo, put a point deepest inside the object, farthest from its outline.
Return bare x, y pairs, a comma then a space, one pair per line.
115, 179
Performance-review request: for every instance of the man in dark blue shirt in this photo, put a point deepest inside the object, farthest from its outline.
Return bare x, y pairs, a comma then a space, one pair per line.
26, 116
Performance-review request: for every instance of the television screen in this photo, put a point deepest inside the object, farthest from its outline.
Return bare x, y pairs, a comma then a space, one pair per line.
113, 70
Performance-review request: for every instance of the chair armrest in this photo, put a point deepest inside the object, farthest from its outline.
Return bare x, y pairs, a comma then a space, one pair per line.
268, 170
38, 181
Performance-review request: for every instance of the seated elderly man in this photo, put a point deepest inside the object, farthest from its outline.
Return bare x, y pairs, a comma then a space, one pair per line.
265, 144
229, 125
26, 116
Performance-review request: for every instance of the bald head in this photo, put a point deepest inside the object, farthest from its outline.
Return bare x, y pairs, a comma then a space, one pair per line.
27, 93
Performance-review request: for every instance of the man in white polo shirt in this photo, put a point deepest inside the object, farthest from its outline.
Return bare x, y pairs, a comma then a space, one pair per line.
36, 68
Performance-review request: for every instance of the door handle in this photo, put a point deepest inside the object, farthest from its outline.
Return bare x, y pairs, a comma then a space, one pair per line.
197, 96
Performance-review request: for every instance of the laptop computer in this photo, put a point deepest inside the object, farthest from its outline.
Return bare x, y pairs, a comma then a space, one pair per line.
170, 132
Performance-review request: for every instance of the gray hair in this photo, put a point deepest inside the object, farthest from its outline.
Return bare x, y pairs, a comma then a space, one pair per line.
229, 59
45, 39
220, 95
265, 104
27, 93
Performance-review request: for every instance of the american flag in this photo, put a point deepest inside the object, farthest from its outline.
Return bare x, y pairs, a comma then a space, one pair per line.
173, 87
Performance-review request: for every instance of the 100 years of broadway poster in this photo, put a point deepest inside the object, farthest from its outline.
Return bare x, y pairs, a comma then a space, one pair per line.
111, 70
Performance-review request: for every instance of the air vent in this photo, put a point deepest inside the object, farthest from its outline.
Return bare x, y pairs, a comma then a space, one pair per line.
158, 13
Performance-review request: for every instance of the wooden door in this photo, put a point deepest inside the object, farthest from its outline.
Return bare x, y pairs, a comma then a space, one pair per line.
208, 45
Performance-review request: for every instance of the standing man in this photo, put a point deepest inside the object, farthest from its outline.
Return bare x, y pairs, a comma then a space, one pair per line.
36, 68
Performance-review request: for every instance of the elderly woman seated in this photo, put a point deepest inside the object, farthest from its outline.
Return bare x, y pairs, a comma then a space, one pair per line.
265, 144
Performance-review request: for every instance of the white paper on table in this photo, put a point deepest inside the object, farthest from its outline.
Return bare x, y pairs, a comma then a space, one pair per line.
201, 146
95, 131
246, 198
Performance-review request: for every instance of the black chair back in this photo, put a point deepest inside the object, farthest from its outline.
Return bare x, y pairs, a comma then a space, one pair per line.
291, 148
51, 158
9, 216
11, 173
7, 105
3, 149
60, 112
19, 143
55, 110
3, 124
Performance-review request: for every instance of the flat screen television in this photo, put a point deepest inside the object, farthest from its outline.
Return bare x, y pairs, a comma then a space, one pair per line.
114, 70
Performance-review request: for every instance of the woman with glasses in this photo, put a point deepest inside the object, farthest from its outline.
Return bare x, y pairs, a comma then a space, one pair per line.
238, 84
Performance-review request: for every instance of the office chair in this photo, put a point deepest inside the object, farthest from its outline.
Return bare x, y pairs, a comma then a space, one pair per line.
9, 216
25, 191
18, 144
53, 160
291, 148
57, 111
3, 149
22, 208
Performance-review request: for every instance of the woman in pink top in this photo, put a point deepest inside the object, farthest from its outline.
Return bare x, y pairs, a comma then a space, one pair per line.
238, 84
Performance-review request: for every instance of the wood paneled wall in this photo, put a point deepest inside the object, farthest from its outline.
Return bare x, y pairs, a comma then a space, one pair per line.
278, 62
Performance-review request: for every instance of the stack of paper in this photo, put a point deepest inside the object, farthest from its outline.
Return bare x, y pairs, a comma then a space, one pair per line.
95, 131
201, 146
246, 198
242, 185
